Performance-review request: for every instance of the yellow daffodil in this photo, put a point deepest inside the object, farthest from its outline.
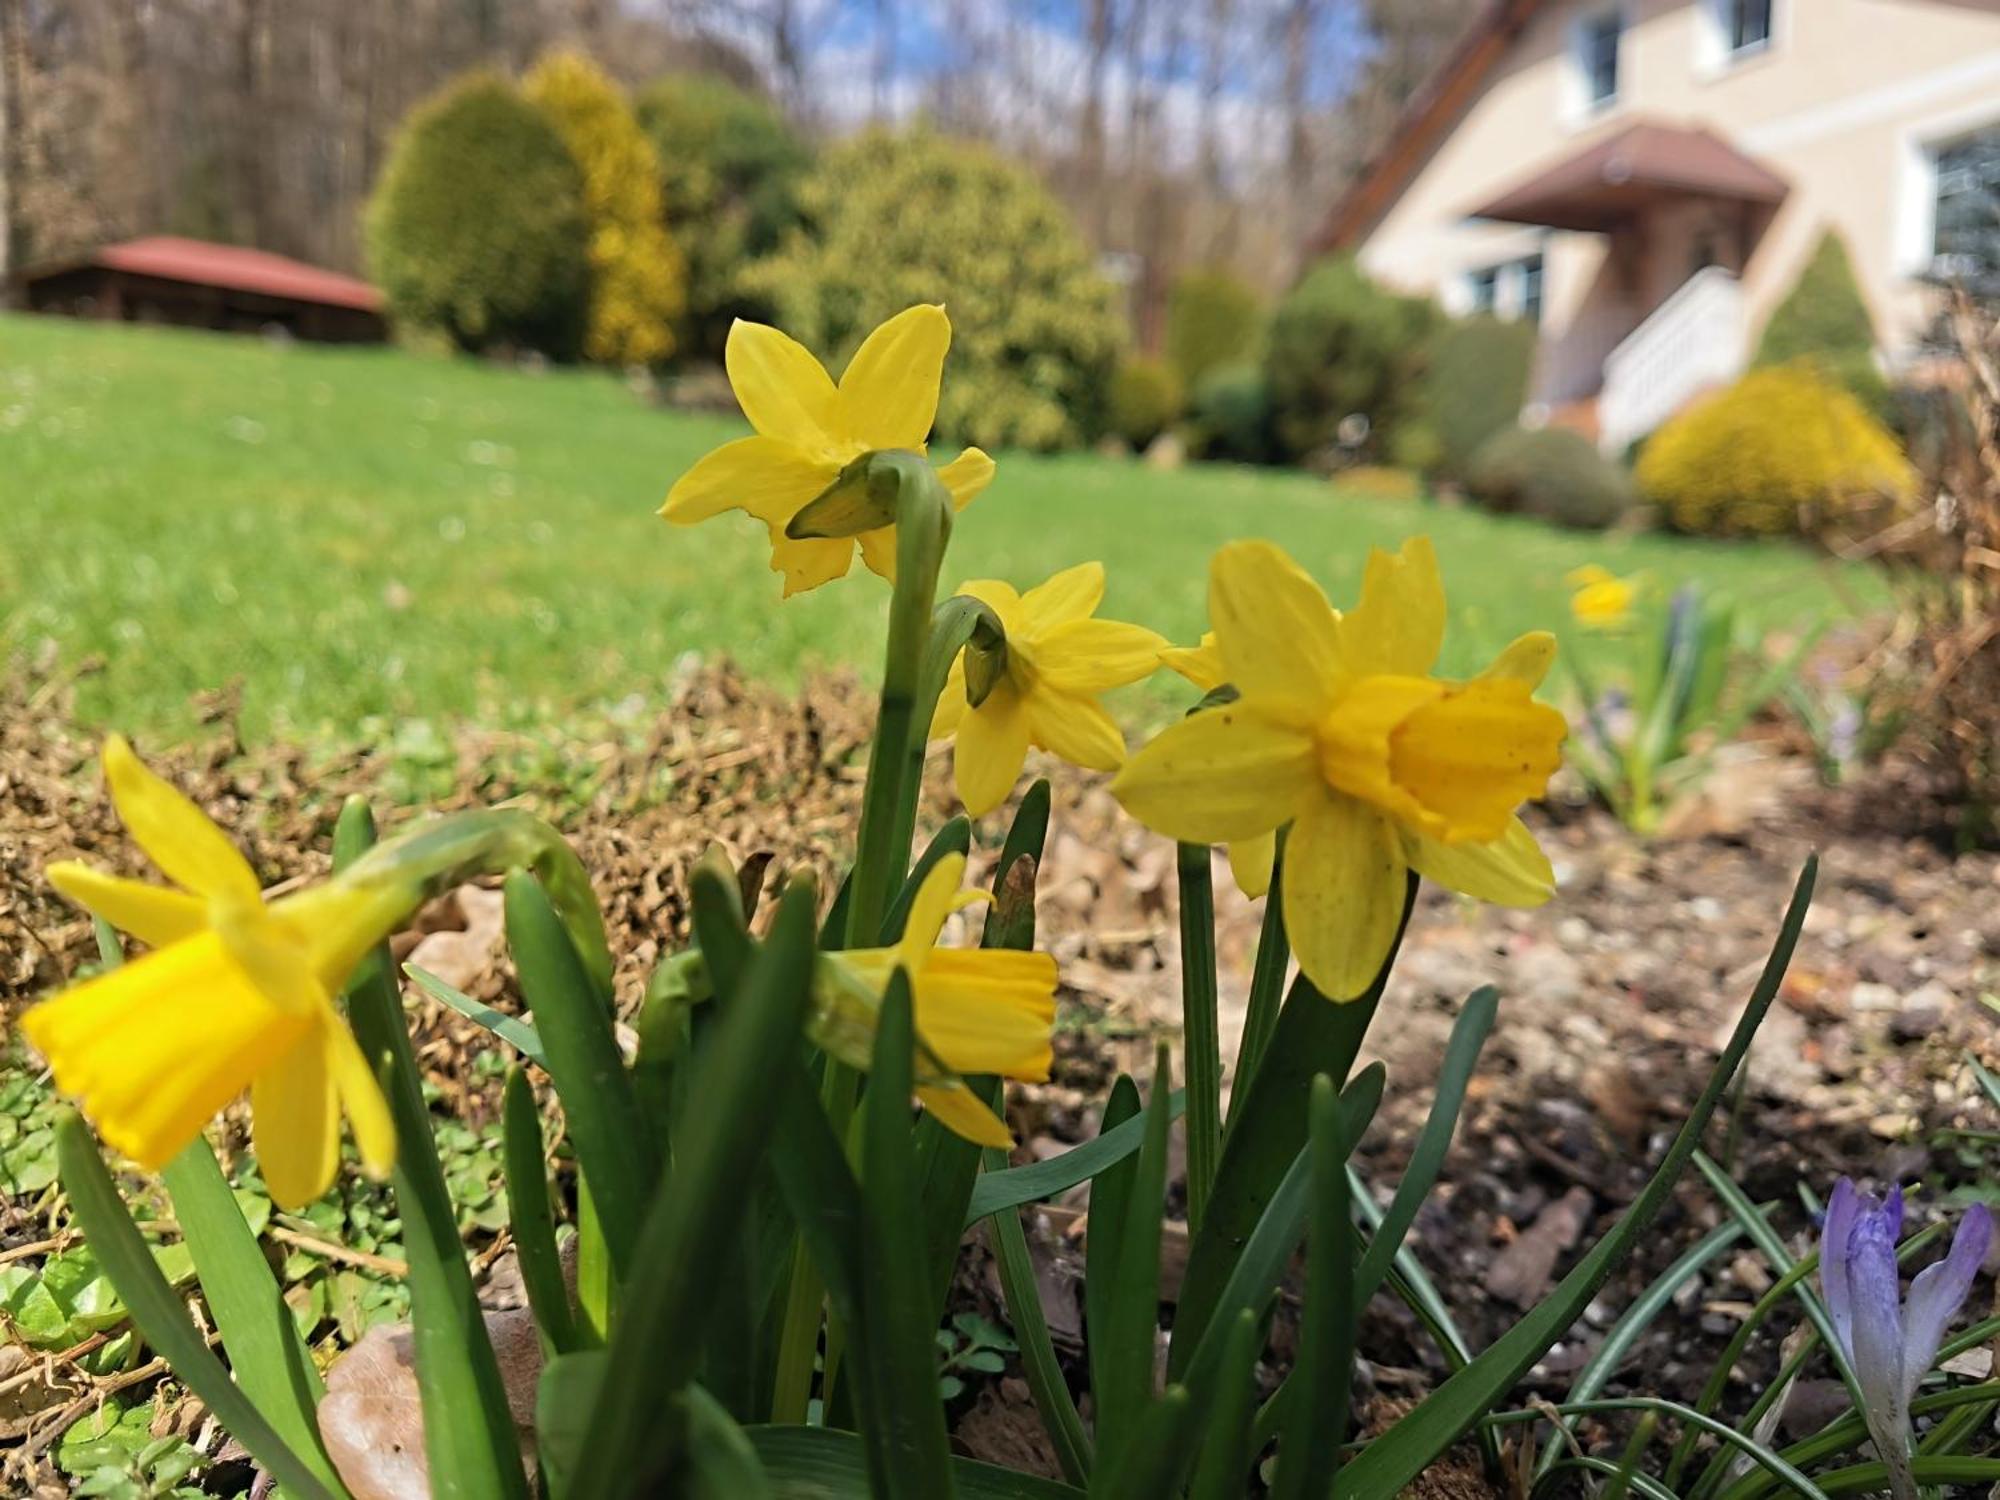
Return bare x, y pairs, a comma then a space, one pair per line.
1058, 659
235, 994
976, 1010
1251, 861
1601, 600
1379, 768
809, 429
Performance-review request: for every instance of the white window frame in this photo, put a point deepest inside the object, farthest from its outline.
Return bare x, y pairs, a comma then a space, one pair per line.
1579, 106
1916, 218
1714, 57
1510, 276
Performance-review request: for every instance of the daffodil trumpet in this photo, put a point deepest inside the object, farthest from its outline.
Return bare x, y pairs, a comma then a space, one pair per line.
237, 992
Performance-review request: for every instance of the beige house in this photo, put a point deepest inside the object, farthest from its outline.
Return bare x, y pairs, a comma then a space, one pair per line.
1645, 179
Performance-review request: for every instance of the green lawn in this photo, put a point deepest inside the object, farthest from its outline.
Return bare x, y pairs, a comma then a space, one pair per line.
362, 533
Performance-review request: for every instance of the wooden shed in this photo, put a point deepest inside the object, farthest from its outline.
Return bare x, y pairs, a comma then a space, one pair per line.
196, 284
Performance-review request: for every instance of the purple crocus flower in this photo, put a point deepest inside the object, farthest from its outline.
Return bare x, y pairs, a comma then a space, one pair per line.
1889, 1340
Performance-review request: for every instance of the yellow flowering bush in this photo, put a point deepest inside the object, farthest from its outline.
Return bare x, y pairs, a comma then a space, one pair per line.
898, 218
1783, 450
637, 278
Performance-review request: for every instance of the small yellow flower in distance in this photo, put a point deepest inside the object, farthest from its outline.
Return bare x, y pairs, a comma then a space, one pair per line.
1601, 600
1251, 861
235, 994
808, 429
1058, 660
976, 1010
1379, 767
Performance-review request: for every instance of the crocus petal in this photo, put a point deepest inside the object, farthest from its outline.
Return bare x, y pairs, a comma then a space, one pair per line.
1526, 659
965, 476
1399, 624
155, 914
1226, 773
1510, 871
1072, 594
1835, 1250
959, 1110
1343, 892
1939, 1291
1875, 1290
360, 1098
889, 391
177, 836
1075, 728
933, 902
770, 479
153, 1049
1090, 656
1251, 862
991, 748
1478, 753
295, 1124
782, 389
810, 562
988, 1010
1279, 638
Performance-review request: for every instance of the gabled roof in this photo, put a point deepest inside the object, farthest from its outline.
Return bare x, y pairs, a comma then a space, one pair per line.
233, 267
1425, 120
1646, 163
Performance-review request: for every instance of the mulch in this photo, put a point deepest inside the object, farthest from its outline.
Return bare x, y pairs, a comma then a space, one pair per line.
1615, 997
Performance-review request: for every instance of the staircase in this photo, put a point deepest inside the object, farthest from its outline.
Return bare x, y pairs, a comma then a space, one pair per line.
1694, 340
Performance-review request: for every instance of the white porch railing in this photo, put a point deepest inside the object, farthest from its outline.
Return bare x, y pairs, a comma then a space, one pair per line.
1696, 339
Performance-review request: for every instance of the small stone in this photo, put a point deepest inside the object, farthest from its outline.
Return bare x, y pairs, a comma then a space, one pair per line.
1868, 995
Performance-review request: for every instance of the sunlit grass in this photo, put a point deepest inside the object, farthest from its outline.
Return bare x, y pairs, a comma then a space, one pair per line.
357, 533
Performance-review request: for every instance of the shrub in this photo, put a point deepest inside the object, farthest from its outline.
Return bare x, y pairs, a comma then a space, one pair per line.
1214, 318
638, 281
1477, 385
1782, 450
1145, 400
1825, 320
476, 230
1341, 345
906, 217
1230, 415
730, 167
1550, 473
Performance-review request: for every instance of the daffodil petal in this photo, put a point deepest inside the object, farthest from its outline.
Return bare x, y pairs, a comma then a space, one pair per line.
878, 550
1278, 637
933, 902
295, 1124
811, 562
1251, 862
1588, 574
991, 747
361, 1099
782, 388
155, 914
960, 1111
1345, 880
1526, 659
998, 596
1510, 871
1476, 754
951, 704
1090, 656
152, 1050
889, 391
1398, 626
1075, 728
1200, 665
988, 1010
177, 836
1071, 594
965, 476
1226, 773
772, 480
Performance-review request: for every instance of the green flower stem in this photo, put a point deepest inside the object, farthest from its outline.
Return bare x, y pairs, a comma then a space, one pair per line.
955, 622
1267, 984
1201, 1047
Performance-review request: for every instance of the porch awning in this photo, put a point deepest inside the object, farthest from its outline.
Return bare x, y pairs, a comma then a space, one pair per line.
1643, 166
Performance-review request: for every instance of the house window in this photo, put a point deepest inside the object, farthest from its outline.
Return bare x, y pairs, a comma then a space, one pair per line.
1746, 25
1596, 42
1965, 236
1510, 290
